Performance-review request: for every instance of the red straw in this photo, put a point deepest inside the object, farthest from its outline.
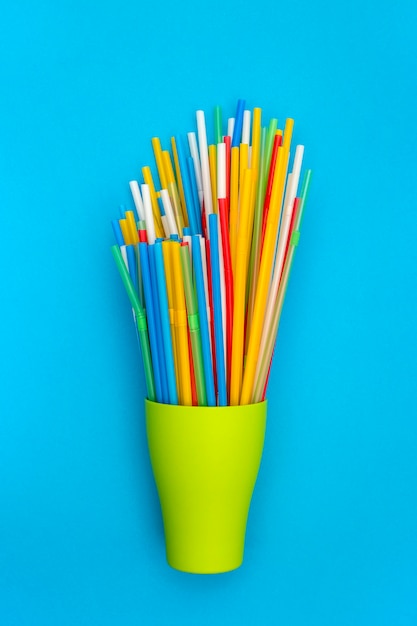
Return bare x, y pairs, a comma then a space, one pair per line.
142, 236
228, 279
277, 143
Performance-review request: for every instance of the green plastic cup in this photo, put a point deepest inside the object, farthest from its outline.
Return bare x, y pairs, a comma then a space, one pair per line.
205, 462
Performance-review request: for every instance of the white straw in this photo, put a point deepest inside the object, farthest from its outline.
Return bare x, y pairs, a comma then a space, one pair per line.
137, 198
192, 142
230, 126
221, 170
204, 161
246, 127
293, 179
147, 206
169, 212
124, 255
165, 225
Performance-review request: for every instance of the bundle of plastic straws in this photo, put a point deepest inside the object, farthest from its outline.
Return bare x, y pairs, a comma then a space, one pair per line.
206, 259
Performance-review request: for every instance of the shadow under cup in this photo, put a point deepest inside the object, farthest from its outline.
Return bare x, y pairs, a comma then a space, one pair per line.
205, 462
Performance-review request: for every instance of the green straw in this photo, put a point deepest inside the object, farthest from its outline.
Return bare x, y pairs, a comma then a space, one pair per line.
268, 150
140, 318
273, 331
218, 137
194, 326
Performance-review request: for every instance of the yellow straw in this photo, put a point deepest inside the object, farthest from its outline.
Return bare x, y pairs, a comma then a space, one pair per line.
265, 270
185, 397
166, 249
173, 191
179, 181
213, 175
130, 219
147, 177
124, 227
157, 150
243, 165
254, 165
234, 203
240, 289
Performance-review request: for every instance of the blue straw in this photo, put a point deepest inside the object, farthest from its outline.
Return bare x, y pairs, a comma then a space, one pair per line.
237, 131
117, 232
158, 324
166, 330
204, 326
147, 286
186, 185
191, 173
217, 306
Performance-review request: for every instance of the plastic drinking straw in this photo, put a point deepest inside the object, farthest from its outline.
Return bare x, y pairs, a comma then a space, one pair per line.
147, 205
237, 129
192, 142
165, 322
217, 309
158, 324
255, 158
212, 150
227, 142
188, 193
181, 327
193, 325
230, 127
173, 191
240, 291
268, 190
143, 238
140, 321
205, 168
228, 276
169, 278
268, 148
211, 309
147, 177
221, 171
194, 189
124, 227
157, 150
207, 293
218, 136
179, 181
137, 198
117, 232
234, 205
266, 355
147, 287
204, 324
192, 373
130, 219
169, 213
243, 164
124, 257
257, 231
264, 278
246, 126
132, 266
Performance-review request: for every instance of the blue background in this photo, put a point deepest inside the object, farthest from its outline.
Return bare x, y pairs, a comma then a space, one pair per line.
332, 530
